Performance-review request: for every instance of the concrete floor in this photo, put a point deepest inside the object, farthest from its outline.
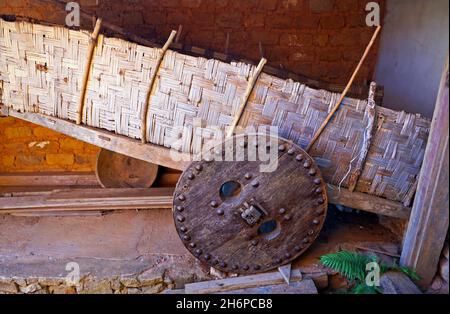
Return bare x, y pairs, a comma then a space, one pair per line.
132, 242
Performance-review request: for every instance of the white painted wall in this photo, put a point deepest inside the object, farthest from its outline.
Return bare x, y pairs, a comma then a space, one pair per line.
414, 47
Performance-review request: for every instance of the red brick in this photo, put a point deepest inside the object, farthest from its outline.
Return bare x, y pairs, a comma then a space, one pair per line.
265, 37
69, 144
320, 6
255, 20
60, 159
229, 20
320, 40
332, 21
348, 5
296, 40
29, 160
279, 21
307, 21
8, 160
329, 55
17, 132
192, 4
267, 5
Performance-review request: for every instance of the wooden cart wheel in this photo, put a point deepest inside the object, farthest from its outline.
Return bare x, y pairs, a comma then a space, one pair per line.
114, 170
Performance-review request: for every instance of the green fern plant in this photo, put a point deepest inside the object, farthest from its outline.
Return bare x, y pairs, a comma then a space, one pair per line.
352, 266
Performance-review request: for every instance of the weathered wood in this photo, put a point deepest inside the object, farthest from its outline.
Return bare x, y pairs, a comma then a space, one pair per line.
29, 179
89, 200
114, 170
367, 139
110, 141
246, 282
176, 160
248, 92
280, 212
368, 203
305, 286
159, 60
397, 283
428, 225
87, 69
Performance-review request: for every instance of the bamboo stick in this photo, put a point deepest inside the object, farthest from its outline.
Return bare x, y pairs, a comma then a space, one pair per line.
250, 86
87, 70
162, 53
347, 88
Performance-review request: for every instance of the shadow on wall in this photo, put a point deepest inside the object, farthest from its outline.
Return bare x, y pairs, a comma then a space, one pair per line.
413, 51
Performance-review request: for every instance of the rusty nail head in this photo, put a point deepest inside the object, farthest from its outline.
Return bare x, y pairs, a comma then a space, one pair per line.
199, 167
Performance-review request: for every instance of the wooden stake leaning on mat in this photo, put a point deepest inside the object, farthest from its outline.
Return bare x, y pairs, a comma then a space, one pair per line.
87, 70
347, 88
162, 52
250, 86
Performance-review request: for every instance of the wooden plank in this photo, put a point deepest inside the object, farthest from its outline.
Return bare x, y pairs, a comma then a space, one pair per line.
306, 286
117, 143
397, 283
253, 281
428, 226
179, 161
29, 179
368, 203
89, 200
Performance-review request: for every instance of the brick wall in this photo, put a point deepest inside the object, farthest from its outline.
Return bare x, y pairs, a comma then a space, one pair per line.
28, 147
321, 39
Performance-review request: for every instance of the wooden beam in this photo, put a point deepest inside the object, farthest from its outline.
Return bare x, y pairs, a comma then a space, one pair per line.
368, 203
29, 179
273, 278
428, 225
89, 200
121, 144
179, 161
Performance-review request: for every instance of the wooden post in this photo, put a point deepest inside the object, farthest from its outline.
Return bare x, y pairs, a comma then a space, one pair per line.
428, 225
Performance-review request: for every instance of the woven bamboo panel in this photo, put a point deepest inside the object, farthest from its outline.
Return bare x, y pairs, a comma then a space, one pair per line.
118, 86
198, 94
193, 97
396, 151
42, 67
